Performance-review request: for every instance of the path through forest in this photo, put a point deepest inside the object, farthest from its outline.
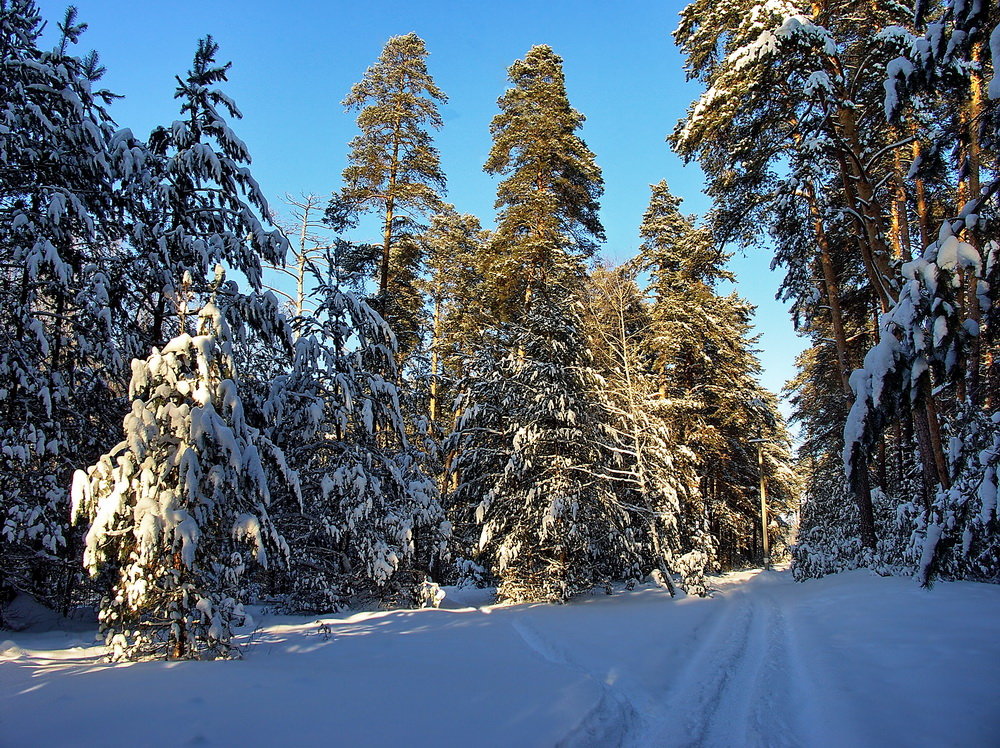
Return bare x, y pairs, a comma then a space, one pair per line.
853, 659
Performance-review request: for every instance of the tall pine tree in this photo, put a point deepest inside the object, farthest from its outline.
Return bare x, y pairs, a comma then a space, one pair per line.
548, 202
395, 171
702, 354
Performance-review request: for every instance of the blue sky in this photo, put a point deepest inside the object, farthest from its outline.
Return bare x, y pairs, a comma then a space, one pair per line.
293, 62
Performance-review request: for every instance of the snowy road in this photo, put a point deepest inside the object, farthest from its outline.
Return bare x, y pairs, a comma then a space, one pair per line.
853, 660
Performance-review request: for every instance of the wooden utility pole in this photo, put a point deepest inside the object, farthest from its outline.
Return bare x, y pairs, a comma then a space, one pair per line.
763, 503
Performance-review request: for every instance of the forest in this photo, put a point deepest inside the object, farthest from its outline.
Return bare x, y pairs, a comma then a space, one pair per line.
208, 401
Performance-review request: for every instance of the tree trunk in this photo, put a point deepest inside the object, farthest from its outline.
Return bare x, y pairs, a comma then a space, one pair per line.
300, 269
390, 205
924, 217
860, 486
832, 295
178, 648
860, 198
900, 218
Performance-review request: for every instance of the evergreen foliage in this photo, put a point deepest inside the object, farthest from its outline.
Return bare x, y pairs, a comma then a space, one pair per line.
548, 201
179, 507
455, 247
393, 168
601, 432
531, 446
60, 357
366, 497
701, 355
532, 443
864, 144
195, 202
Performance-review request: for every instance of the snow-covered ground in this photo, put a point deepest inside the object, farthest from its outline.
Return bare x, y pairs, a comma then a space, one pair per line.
850, 660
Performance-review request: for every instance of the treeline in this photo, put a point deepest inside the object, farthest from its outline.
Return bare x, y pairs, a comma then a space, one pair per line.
443, 404
858, 141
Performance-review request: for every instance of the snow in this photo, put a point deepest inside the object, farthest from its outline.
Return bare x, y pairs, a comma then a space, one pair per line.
954, 253
894, 70
852, 659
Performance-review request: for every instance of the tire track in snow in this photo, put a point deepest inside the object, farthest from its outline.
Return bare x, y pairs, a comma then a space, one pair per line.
774, 715
732, 692
691, 707
741, 684
607, 723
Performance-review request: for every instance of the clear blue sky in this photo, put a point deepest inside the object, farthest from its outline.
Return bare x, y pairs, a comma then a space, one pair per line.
294, 61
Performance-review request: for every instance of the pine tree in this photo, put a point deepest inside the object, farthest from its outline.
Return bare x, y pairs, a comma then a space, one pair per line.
703, 357
813, 80
394, 168
857, 138
179, 507
455, 248
548, 205
928, 363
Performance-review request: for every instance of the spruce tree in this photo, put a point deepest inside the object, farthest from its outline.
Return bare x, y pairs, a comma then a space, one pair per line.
195, 204
394, 170
533, 462
684, 265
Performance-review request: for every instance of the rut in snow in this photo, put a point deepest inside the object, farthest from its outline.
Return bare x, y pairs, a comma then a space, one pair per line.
735, 688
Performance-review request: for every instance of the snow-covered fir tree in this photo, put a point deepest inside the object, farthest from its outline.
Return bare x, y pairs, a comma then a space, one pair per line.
194, 204
367, 503
531, 448
60, 358
180, 507
533, 463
